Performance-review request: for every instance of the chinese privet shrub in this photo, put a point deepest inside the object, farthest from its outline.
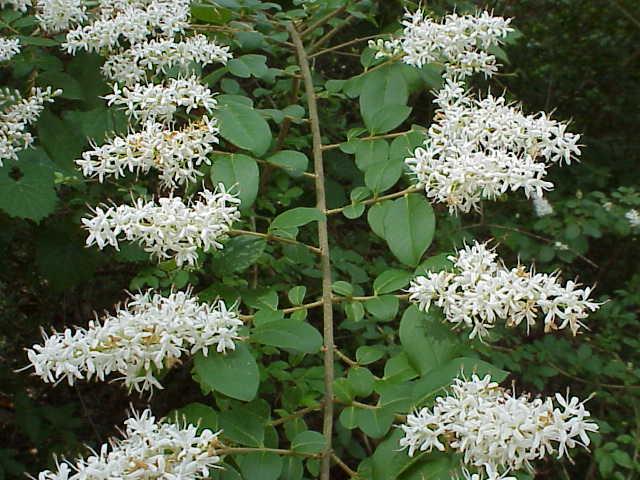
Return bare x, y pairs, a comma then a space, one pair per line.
301, 285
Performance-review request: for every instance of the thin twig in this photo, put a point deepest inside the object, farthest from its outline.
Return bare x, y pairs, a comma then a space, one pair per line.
345, 468
371, 137
323, 237
294, 415
323, 20
401, 193
347, 44
268, 237
278, 451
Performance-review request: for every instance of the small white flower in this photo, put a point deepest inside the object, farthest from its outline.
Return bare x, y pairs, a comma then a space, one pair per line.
9, 47
58, 15
159, 102
149, 334
495, 431
460, 42
149, 449
633, 217
541, 205
561, 246
176, 154
169, 228
16, 114
481, 148
481, 290
158, 56
129, 22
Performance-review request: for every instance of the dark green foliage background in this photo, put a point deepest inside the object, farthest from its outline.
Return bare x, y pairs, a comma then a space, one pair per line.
581, 58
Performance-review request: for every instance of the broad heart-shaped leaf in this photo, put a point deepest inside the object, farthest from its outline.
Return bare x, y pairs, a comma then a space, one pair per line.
308, 442
244, 127
442, 377
428, 343
292, 162
382, 89
288, 334
374, 422
391, 280
263, 465
383, 307
234, 374
239, 253
237, 172
296, 217
409, 225
27, 186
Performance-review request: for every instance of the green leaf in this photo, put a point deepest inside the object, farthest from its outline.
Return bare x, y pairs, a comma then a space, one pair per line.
197, 414
366, 355
244, 424
289, 334
360, 380
27, 186
409, 226
309, 442
348, 418
292, 162
381, 176
71, 88
240, 172
404, 145
377, 215
292, 469
391, 280
62, 142
389, 118
263, 465
342, 288
296, 294
383, 308
210, 14
239, 253
248, 65
371, 152
427, 342
296, 217
382, 90
353, 211
375, 422
244, 127
234, 374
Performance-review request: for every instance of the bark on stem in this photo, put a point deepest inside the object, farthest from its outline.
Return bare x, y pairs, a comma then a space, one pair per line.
325, 260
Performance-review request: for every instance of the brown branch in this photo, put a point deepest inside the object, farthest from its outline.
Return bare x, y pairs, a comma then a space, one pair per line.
323, 237
402, 193
268, 237
323, 20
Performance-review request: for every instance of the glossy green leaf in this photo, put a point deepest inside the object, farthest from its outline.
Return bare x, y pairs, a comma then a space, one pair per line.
371, 152
289, 334
309, 442
199, 414
234, 374
263, 465
382, 90
249, 65
391, 280
369, 354
292, 162
409, 226
383, 307
239, 173
381, 176
239, 253
244, 127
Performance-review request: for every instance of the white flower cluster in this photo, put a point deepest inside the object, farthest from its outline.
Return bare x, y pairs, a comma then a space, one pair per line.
481, 148
541, 205
459, 42
158, 56
9, 47
176, 154
19, 5
16, 115
58, 15
481, 290
495, 431
149, 450
131, 21
169, 228
159, 102
633, 217
149, 334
